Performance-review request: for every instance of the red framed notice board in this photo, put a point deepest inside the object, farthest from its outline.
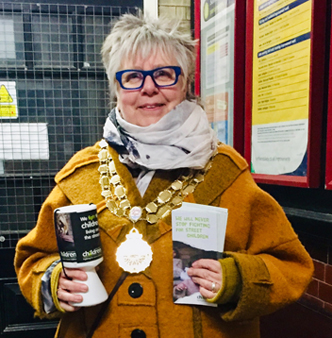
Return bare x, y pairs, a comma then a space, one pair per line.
328, 175
284, 90
220, 66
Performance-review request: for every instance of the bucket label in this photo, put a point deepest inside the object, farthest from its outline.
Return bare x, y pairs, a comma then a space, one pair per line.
78, 236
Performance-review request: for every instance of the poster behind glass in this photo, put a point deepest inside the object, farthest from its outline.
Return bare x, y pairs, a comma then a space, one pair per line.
281, 87
217, 65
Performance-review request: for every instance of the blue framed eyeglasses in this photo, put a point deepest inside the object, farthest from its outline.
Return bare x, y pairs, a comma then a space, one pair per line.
131, 79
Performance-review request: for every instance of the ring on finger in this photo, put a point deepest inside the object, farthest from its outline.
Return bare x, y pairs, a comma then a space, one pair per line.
213, 286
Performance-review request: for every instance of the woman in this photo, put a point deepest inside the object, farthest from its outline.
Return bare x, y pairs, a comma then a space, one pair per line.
155, 138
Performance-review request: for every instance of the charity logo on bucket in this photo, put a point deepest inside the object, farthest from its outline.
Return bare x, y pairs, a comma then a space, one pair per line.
77, 232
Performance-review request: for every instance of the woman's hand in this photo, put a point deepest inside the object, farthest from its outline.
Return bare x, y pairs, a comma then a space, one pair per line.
207, 273
68, 289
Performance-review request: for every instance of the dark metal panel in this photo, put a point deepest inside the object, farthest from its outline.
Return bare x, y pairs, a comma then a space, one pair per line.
16, 315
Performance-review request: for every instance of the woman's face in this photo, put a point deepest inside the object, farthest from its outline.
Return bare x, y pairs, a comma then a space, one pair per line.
149, 104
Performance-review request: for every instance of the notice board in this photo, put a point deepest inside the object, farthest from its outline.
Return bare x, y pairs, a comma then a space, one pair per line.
284, 90
220, 66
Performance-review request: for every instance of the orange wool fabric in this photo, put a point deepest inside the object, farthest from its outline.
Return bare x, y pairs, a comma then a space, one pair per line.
268, 267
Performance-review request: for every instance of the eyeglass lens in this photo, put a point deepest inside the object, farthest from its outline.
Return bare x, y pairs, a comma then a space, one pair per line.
161, 76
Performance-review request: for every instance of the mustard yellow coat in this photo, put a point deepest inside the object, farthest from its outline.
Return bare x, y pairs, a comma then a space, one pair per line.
271, 267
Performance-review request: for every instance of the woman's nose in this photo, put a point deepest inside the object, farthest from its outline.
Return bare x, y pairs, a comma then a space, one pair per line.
149, 87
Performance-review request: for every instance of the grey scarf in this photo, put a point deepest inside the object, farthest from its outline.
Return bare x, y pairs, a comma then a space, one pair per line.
182, 138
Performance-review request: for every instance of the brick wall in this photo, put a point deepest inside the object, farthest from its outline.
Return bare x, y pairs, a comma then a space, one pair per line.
319, 293
176, 9
311, 316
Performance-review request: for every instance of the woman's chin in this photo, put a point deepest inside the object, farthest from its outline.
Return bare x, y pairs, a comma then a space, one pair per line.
149, 117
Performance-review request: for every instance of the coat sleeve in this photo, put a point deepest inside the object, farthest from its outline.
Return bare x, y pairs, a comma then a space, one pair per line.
274, 268
37, 251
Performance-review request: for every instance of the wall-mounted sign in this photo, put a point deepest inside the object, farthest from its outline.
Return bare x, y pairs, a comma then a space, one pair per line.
24, 141
217, 56
280, 142
280, 93
8, 100
221, 31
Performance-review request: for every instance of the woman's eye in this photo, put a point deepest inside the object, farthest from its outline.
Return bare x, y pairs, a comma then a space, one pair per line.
134, 76
163, 73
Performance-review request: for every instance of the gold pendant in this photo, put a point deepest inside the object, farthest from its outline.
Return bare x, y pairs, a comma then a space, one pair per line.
134, 254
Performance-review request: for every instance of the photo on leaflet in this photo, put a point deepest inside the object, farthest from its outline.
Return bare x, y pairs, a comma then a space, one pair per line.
183, 257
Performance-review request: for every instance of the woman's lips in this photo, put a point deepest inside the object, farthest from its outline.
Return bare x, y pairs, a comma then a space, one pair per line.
152, 106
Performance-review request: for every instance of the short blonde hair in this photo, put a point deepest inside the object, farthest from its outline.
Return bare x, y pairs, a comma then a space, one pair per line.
137, 35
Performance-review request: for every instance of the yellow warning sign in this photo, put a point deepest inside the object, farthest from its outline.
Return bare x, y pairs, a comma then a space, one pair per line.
4, 95
8, 100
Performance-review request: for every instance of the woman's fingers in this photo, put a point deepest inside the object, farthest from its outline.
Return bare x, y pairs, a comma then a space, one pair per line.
208, 285
207, 288
208, 264
69, 289
66, 298
206, 293
203, 274
69, 284
209, 269
75, 274
68, 308
207, 273
72, 285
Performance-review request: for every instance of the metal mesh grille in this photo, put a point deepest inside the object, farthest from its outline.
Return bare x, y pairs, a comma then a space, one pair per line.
53, 100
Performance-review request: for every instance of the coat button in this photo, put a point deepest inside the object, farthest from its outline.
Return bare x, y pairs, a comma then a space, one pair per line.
137, 333
135, 290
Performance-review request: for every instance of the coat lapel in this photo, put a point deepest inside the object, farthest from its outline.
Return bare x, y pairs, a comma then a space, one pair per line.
227, 166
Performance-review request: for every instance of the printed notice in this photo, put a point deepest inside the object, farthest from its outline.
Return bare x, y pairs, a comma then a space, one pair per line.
281, 74
8, 100
217, 65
